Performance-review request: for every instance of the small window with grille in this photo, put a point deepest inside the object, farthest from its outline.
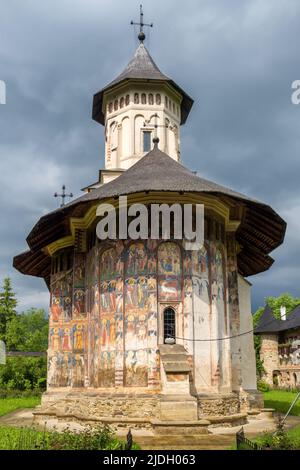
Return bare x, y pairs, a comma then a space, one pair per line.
169, 325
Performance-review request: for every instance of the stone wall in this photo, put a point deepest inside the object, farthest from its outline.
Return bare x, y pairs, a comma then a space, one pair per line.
248, 366
269, 355
106, 406
218, 405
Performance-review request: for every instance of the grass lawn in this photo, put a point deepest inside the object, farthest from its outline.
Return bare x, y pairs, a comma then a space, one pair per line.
12, 438
7, 405
281, 401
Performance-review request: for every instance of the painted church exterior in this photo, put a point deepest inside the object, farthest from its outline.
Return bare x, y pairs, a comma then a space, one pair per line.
116, 303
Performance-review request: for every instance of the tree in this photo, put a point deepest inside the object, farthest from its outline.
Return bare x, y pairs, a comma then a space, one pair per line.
8, 304
284, 300
28, 331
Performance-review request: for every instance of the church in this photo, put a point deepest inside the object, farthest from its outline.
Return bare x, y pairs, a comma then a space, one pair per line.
145, 333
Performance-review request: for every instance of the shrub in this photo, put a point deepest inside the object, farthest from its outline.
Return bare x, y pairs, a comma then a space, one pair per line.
280, 440
23, 373
262, 386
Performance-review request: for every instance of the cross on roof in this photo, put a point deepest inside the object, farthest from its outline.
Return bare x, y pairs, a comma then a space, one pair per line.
141, 24
63, 195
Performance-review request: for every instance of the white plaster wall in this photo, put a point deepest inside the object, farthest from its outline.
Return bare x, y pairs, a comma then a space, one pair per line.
124, 126
247, 345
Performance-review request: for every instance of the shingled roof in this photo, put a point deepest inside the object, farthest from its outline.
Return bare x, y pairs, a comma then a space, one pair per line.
260, 231
141, 67
268, 323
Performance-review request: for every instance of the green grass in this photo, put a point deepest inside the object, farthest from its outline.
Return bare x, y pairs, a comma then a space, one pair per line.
7, 405
281, 400
12, 438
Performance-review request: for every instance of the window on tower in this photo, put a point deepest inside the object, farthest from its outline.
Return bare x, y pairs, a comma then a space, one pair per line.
146, 141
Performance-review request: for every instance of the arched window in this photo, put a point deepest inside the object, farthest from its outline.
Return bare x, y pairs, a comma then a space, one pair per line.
136, 98
169, 325
158, 98
122, 102
110, 107
150, 98
295, 379
144, 99
166, 101
116, 104
127, 99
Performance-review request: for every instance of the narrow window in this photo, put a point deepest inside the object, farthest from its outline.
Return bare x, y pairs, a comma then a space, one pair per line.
122, 102
116, 104
136, 98
146, 141
158, 99
169, 325
127, 100
144, 98
150, 98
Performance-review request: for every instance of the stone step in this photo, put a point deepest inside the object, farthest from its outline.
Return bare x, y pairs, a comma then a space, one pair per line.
179, 442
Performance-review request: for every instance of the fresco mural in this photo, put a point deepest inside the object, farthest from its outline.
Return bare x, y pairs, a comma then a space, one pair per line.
169, 272
108, 307
79, 309
136, 315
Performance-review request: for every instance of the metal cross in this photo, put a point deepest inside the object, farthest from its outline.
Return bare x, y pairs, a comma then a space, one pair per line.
141, 24
155, 126
63, 195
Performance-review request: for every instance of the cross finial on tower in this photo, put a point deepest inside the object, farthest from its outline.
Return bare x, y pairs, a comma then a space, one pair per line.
63, 195
141, 24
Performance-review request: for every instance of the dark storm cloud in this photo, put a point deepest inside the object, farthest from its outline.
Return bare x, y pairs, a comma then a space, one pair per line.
237, 59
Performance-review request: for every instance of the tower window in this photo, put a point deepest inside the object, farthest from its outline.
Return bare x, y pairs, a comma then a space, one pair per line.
150, 97
122, 102
136, 98
158, 98
144, 99
146, 141
116, 104
169, 325
127, 100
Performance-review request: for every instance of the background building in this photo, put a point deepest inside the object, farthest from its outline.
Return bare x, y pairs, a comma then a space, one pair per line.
280, 347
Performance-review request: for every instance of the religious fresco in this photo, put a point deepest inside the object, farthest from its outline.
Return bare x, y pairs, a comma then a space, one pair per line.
61, 298
200, 272
79, 307
220, 293
136, 315
59, 370
169, 272
109, 283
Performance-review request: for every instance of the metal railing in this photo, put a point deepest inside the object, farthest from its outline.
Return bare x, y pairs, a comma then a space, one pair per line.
242, 443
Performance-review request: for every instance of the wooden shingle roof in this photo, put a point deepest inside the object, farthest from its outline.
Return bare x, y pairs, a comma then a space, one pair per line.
260, 232
142, 67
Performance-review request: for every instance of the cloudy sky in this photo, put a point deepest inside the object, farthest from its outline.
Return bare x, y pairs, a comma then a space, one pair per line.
237, 59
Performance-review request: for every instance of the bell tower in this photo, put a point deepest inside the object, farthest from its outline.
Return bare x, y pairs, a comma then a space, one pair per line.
140, 104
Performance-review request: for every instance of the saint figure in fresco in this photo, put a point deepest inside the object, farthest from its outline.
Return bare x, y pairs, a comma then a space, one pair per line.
66, 345
55, 309
78, 337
